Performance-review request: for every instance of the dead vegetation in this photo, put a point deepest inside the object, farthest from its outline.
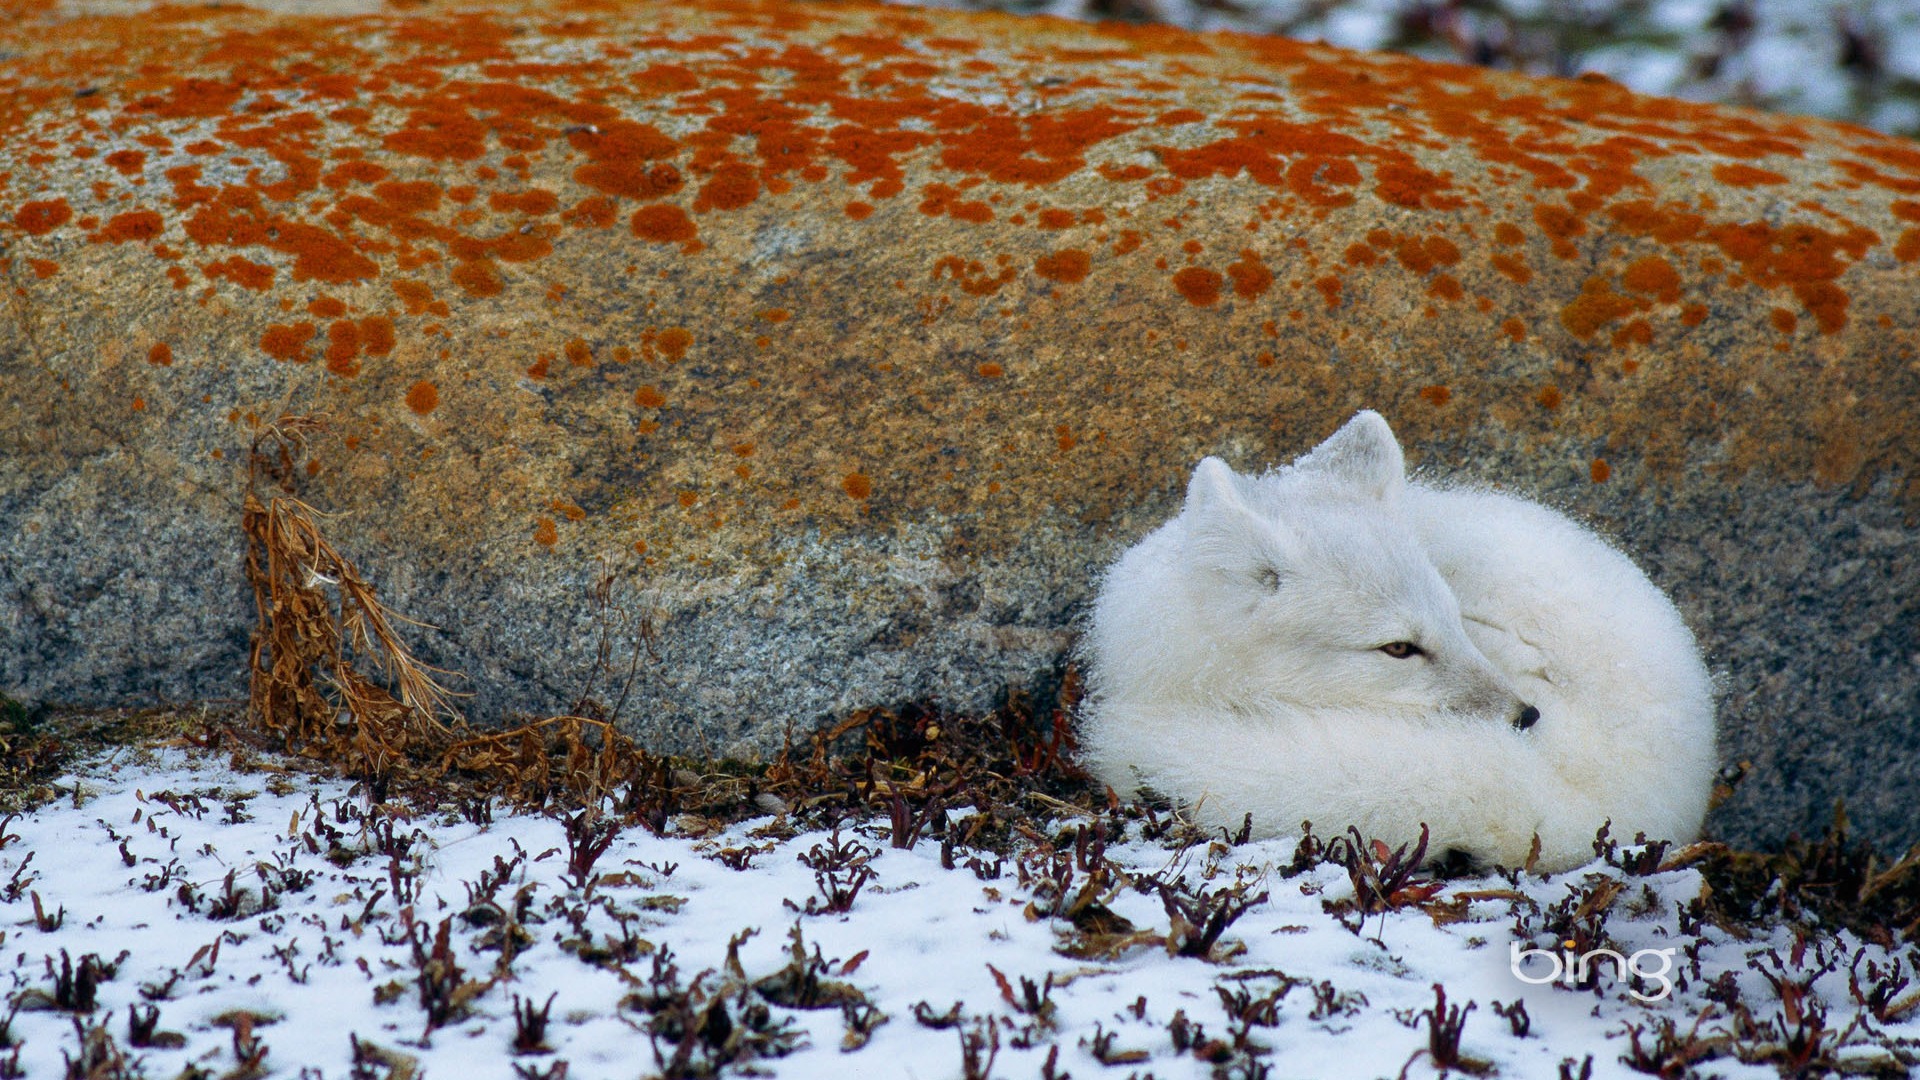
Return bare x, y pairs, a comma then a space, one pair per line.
333, 681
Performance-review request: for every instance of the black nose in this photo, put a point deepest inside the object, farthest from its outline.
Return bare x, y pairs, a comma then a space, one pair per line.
1527, 718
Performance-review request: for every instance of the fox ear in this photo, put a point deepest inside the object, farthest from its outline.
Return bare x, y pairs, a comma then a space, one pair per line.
1213, 487
1363, 453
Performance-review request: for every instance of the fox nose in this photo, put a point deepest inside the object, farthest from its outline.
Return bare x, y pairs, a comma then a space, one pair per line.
1527, 718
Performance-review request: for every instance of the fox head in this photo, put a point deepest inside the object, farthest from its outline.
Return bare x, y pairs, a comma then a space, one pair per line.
1309, 588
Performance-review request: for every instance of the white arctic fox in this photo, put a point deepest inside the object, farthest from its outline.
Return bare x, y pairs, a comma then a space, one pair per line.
1331, 642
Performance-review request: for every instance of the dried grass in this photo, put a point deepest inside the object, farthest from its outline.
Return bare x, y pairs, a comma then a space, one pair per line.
332, 679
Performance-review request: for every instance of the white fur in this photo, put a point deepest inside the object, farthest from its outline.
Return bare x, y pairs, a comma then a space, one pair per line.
1234, 663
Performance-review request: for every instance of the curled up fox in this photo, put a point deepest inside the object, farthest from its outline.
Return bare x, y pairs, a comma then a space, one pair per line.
1332, 642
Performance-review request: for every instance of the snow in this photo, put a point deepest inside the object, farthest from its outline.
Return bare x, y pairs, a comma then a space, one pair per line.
138, 856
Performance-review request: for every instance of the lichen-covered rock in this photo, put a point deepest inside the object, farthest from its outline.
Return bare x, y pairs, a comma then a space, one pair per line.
850, 342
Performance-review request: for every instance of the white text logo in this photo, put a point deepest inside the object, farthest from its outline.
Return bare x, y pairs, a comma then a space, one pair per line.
1572, 970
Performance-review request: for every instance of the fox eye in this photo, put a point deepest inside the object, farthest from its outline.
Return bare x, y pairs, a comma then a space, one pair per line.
1401, 650
1268, 578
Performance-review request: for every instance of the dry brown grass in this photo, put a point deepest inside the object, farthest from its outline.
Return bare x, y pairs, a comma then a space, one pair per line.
332, 680
305, 685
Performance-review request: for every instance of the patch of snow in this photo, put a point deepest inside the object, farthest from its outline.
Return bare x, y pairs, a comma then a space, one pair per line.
267, 893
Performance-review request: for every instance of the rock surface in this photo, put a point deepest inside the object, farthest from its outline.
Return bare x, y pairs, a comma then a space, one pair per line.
849, 342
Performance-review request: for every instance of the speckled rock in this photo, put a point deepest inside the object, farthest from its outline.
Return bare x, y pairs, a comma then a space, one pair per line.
851, 341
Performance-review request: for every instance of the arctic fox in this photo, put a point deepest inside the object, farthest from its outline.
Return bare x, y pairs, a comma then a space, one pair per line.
1332, 642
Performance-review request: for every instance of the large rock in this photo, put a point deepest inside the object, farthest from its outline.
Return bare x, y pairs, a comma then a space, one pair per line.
852, 341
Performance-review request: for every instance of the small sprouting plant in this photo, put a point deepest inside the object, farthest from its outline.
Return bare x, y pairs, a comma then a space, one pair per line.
907, 823
1670, 1053
1035, 999
588, 837
100, 1057
1445, 1024
924, 1015
1880, 993
1516, 1017
840, 870
979, 1045
1197, 921
530, 1025
444, 991
43, 921
1383, 880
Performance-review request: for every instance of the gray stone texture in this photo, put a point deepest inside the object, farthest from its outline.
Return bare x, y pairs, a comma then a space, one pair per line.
853, 341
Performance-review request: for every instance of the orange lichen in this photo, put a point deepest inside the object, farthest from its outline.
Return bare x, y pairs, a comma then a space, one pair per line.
1321, 180
343, 348
419, 299
971, 275
1907, 248
545, 532
42, 216
1549, 397
406, 143
1562, 227
1069, 267
140, 225
673, 342
533, 201
242, 272
1512, 266
666, 224
161, 355
1596, 306
1436, 395
1250, 275
594, 211
857, 485
1199, 285
423, 397
478, 277
1783, 320
1329, 287
1738, 175
1636, 332
287, 342
1599, 471
1654, 275
944, 199
649, 397
731, 187
376, 335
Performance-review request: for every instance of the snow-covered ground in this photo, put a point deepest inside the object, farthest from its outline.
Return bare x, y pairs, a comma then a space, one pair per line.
1855, 60
267, 923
